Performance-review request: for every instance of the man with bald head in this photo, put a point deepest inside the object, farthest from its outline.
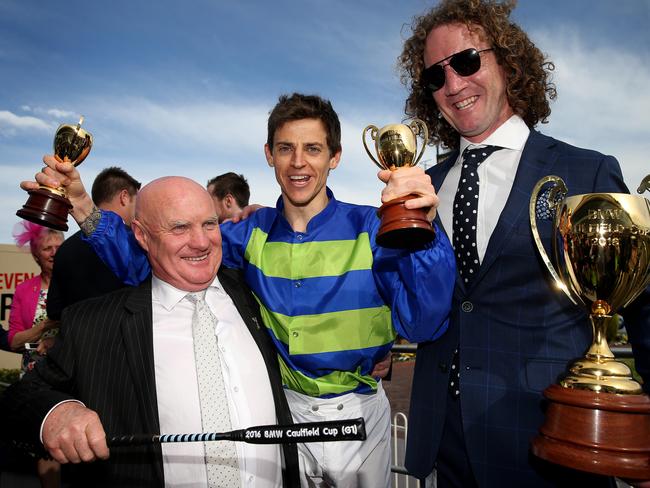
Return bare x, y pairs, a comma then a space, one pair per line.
128, 363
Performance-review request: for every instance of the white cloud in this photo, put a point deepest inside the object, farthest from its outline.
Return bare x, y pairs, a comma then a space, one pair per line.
602, 99
11, 123
234, 125
60, 114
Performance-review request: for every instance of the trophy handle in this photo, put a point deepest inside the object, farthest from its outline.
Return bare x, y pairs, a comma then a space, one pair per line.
418, 126
645, 185
373, 135
560, 187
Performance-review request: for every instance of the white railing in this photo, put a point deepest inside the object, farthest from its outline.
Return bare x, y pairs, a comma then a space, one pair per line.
401, 478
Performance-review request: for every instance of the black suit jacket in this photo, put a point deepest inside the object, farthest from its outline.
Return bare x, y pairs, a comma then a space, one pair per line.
78, 274
105, 359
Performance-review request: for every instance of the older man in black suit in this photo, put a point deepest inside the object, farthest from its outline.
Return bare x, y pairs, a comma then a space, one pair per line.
130, 358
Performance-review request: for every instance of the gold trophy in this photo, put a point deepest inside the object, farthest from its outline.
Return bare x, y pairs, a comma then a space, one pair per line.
50, 206
396, 147
598, 418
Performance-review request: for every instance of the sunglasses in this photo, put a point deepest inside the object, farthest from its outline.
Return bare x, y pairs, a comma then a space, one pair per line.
465, 63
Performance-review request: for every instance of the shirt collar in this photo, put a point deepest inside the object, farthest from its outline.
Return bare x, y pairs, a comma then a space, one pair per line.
169, 296
317, 220
512, 134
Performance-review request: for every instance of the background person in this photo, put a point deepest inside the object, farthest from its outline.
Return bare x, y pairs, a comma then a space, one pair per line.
28, 321
230, 193
477, 80
78, 273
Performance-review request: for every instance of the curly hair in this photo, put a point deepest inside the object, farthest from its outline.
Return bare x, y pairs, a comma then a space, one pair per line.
528, 73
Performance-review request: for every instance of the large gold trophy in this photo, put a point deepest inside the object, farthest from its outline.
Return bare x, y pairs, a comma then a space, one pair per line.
396, 147
50, 206
598, 418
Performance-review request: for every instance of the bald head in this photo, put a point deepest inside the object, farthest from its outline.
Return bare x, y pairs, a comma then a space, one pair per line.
175, 222
163, 191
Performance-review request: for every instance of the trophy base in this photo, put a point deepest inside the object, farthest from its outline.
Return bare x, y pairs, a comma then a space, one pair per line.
46, 208
403, 228
600, 433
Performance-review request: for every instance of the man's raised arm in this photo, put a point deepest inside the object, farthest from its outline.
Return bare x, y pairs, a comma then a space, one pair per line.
103, 230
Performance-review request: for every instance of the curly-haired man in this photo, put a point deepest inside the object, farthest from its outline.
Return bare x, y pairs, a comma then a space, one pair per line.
479, 82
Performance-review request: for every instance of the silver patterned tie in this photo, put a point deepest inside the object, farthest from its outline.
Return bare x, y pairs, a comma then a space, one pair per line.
220, 457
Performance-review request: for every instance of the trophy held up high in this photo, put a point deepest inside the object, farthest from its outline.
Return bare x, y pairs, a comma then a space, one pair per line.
396, 147
50, 206
598, 419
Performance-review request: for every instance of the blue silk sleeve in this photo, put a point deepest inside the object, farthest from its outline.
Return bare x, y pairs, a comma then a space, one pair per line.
116, 246
234, 239
418, 286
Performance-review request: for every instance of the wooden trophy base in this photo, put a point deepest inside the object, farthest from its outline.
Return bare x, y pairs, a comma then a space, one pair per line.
46, 208
602, 433
402, 228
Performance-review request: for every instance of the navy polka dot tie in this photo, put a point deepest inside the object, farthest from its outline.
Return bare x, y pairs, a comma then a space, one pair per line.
466, 212
454, 375
464, 234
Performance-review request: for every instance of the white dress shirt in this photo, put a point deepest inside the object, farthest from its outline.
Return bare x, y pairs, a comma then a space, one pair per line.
496, 175
250, 398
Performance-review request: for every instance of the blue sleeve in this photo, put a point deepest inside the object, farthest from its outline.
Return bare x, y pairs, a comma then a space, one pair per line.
637, 324
116, 246
609, 177
234, 239
237, 237
418, 286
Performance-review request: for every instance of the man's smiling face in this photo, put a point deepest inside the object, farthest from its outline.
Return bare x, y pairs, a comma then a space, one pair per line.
474, 105
177, 225
302, 162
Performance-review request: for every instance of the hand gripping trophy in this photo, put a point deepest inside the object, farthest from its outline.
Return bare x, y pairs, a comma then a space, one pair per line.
396, 147
49, 206
598, 419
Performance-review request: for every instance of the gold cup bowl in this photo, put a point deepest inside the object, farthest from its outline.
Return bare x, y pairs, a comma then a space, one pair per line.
396, 147
602, 254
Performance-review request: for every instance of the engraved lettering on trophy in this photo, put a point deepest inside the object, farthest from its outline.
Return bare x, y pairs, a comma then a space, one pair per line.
604, 228
604, 214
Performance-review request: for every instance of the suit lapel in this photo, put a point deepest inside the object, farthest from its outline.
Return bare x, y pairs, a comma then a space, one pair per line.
137, 332
438, 172
233, 287
536, 159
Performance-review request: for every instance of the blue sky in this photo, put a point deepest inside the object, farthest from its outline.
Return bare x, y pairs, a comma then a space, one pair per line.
184, 88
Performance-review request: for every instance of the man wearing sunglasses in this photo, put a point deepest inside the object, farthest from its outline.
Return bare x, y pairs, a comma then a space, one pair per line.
479, 82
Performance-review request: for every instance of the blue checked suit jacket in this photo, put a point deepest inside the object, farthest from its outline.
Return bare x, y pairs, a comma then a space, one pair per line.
516, 333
